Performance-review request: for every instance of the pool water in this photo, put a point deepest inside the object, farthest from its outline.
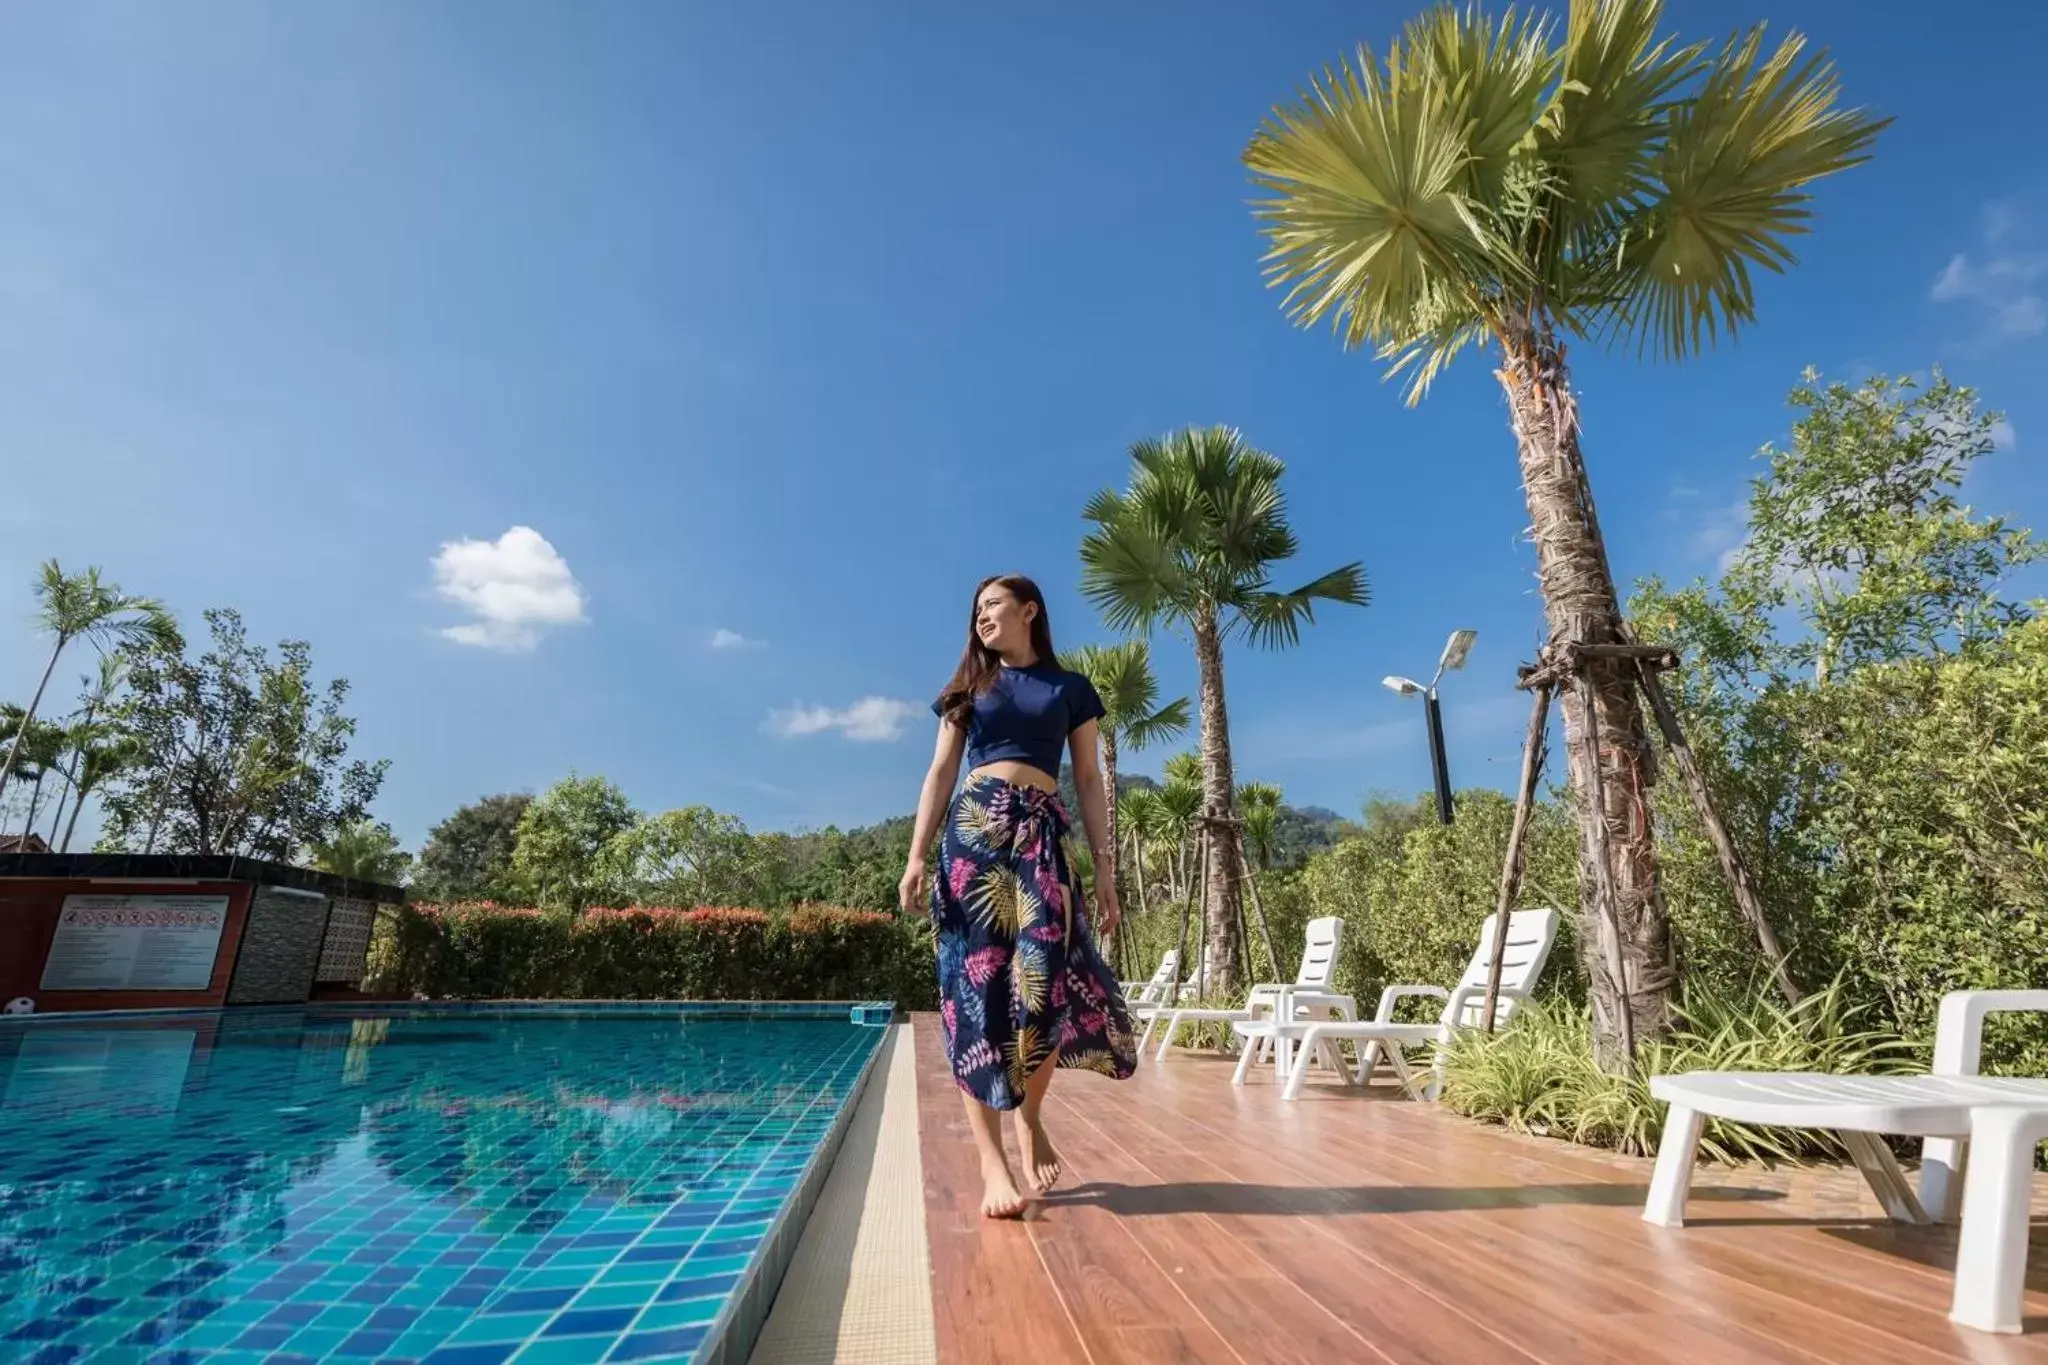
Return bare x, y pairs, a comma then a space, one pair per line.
454, 1186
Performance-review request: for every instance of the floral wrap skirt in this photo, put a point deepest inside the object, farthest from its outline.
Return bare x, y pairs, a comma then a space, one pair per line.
1020, 977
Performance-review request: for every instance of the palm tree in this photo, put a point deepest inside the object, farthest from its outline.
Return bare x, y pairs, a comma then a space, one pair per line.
97, 760
1131, 713
1258, 805
89, 730
1524, 184
1193, 542
39, 746
83, 606
1138, 811
365, 850
1180, 801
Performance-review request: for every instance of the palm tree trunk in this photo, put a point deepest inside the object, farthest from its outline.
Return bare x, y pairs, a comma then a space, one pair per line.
1138, 867
1583, 608
35, 799
1219, 870
1109, 781
72, 824
1123, 966
29, 717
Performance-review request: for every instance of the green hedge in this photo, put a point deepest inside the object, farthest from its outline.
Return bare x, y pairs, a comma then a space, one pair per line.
486, 951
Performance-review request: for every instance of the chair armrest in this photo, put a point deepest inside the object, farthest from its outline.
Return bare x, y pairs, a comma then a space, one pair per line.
1959, 1033
1292, 998
1393, 995
1465, 995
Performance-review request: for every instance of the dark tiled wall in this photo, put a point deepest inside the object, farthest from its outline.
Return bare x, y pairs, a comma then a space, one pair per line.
280, 948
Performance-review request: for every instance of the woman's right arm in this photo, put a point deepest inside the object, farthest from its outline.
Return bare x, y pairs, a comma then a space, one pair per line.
931, 808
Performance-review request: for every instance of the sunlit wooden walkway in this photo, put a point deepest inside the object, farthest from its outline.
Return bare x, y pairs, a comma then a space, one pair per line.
1204, 1223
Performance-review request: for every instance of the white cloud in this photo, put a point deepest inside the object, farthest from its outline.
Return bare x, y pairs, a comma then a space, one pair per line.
1720, 533
515, 586
1999, 284
870, 719
732, 639
2003, 437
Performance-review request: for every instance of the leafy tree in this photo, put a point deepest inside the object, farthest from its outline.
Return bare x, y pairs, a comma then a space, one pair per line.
562, 839
468, 856
367, 851
234, 753
1523, 183
1193, 542
1862, 690
1131, 713
691, 856
83, 606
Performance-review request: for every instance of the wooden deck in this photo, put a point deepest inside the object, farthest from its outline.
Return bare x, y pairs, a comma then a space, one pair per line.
1199, 1222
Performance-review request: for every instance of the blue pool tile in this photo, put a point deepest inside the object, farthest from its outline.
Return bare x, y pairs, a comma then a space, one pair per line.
689, 1313
410, 1182
588, 1321
374, 1345
495, 1354
264, 1338
566, 1350
668, 1341
696, 1288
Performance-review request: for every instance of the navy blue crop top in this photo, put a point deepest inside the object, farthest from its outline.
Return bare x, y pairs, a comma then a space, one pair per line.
1026, 715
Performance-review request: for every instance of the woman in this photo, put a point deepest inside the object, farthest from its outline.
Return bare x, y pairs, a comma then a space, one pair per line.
1022, 987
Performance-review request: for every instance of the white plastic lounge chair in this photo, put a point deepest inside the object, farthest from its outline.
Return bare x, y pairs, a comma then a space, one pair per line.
1157, 997
1311, 990
1159, 987
1952, 1108
1530, 936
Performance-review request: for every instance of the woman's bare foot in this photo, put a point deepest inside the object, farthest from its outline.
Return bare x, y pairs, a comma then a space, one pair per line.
1041, 1159
1000, 1199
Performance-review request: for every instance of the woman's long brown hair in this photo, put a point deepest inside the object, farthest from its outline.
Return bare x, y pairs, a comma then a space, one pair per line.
979, 663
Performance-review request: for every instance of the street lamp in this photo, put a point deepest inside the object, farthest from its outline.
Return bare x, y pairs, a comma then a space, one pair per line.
1453, 659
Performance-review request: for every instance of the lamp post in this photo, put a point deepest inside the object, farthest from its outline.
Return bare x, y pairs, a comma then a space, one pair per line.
1453, 659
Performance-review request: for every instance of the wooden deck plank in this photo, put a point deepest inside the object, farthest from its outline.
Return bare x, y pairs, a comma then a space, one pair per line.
992, 1299
1206, 1222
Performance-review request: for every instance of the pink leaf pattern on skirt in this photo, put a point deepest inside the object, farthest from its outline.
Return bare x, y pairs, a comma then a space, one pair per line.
1000, 982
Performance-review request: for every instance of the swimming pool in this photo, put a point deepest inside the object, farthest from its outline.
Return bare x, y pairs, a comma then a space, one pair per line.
454, 1185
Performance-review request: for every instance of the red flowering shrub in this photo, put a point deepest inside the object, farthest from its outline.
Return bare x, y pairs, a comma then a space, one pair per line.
485, 951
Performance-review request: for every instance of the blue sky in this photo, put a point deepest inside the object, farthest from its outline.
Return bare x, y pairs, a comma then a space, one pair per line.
791, 320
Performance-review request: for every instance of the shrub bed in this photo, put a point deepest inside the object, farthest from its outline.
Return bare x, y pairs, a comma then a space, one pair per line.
483, 951
1536, 1075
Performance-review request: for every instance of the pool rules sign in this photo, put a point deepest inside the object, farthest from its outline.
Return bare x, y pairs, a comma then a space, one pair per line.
135, 943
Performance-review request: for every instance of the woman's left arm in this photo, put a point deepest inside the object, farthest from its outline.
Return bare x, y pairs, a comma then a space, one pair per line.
1095, 820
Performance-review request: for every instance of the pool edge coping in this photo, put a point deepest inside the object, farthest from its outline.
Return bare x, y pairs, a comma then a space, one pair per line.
739, 1324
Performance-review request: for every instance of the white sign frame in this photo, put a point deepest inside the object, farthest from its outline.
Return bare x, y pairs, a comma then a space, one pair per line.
135, 943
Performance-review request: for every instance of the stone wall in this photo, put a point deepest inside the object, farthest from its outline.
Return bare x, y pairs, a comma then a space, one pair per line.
280, 948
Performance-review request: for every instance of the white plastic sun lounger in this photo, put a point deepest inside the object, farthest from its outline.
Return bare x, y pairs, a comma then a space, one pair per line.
1979, 1137
1155, 999
1530, 936
1311, 989
1151, 992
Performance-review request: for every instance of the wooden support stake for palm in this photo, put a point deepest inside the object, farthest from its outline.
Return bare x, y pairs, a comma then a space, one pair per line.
1603, 874
1202, 963
1258, 909
1518, 833
1732, 867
